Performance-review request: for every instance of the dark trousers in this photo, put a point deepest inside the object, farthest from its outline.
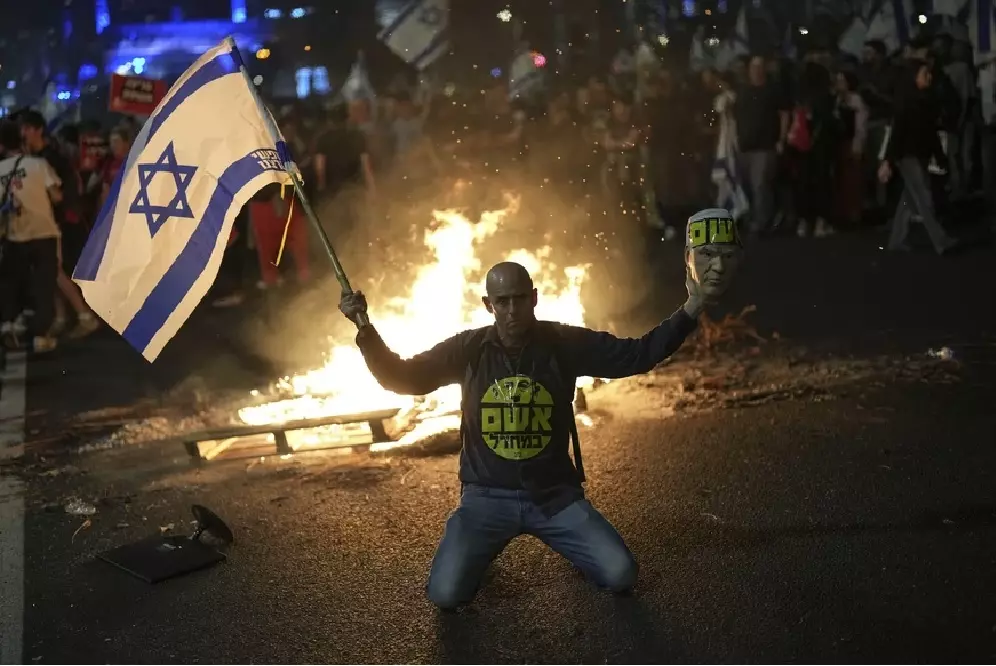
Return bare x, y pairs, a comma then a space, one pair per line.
33, 264
231, 275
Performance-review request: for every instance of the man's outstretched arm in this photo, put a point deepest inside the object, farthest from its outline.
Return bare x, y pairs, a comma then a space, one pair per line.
424, 373
600, 354
418, 375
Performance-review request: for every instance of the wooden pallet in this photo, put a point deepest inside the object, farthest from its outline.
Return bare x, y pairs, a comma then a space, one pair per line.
210, 444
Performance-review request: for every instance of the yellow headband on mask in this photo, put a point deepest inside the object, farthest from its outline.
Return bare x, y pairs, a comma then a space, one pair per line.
713, 226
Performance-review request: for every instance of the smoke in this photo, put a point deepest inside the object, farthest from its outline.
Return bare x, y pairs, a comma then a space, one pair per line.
380, 242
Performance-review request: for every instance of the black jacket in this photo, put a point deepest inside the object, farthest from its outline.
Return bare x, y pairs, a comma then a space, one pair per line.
517, 411
914, 127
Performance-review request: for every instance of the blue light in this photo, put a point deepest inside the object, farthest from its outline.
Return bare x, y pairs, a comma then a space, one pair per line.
297, 12
688, 7
238, 11
103, 16
87, 71
302, 78
496, 73
722, 6
320, 80
64, 95
272, 13
11, 85
138, 65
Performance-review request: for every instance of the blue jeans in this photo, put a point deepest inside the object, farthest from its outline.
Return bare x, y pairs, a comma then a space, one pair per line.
489, 518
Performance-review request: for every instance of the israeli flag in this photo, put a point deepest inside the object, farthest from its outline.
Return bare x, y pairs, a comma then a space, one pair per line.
158, 242
981, 28
419, 34
981, 22
952, 8
951, 18
737, 45
889, 21
525, 79
357, 85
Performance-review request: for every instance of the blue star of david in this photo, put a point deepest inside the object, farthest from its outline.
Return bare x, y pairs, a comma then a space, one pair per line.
156, 216
431, 16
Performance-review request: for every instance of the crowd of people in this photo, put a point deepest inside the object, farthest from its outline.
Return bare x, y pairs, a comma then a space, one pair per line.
808, 147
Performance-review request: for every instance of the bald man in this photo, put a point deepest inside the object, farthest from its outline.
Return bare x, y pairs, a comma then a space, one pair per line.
518, 378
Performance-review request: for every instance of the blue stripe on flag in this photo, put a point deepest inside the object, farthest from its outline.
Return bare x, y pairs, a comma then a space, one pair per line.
902, 21
984, 13
402, 16
193, 259
96, 244
213, 70
433, 45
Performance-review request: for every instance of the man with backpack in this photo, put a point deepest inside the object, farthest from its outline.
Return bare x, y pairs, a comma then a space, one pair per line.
518, 381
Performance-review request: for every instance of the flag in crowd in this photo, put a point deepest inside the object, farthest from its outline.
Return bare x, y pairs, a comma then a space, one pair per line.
981, 28
731, 194
737, 45
357, 85
419, 34
888, 21
525, 75
158, 242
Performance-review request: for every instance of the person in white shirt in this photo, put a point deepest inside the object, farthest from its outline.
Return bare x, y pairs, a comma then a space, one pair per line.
30, 249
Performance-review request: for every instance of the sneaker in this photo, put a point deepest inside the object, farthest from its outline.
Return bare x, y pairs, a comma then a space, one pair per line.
823, 229
9, 336
948, 246
43, 344
230, 301
86, 325
265, 286
802, 230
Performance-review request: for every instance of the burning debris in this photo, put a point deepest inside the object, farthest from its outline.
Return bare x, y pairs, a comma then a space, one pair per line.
714, 335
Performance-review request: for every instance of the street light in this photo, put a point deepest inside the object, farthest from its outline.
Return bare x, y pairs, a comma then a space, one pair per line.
505, 15
262, 54
922, 18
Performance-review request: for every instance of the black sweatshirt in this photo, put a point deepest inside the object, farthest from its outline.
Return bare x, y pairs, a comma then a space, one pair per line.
914, 128
517, 410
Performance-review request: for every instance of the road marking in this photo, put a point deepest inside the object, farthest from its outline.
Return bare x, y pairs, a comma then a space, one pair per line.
13, 394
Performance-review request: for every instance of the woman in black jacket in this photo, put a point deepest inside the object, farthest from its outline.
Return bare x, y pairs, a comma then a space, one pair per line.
813, 137
911, 145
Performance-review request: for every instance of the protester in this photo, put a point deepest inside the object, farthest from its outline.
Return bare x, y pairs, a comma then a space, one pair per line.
762, 117
518, 378
812, 143
68, 215
30, 251
912, 145
852, 113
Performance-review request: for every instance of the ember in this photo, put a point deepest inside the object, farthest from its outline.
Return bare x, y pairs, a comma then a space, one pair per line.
443, 300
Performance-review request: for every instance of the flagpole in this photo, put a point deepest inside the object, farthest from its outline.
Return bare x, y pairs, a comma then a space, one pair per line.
295, 175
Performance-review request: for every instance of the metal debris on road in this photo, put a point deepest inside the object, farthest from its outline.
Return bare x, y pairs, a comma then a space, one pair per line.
77, 507
944, 353
86, 524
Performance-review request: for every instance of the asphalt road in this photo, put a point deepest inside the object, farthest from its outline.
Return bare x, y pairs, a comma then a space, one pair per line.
857, 527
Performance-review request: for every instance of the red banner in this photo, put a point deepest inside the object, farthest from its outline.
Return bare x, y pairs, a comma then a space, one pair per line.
135, 94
